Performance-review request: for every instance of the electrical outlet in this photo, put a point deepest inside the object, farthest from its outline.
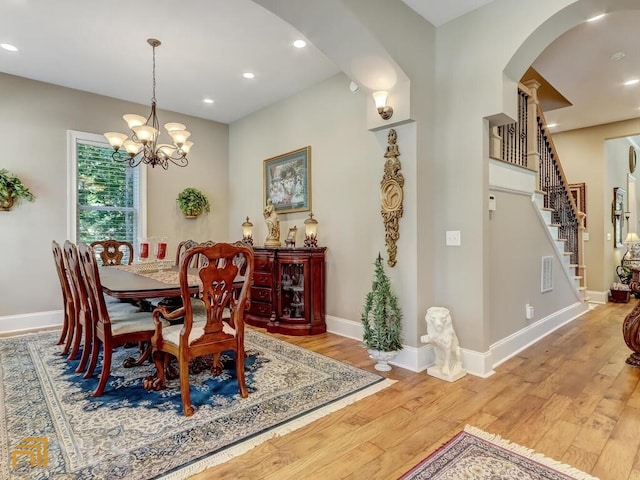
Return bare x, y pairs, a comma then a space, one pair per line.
528, 312
452, 238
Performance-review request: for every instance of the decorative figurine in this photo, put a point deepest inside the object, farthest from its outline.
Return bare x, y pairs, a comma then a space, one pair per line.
273, 225
440, 333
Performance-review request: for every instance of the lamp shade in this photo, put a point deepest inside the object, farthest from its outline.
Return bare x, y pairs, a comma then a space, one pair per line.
247, 227
632, 237
380, 98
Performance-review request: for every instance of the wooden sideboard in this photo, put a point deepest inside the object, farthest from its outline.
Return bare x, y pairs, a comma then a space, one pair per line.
288, 290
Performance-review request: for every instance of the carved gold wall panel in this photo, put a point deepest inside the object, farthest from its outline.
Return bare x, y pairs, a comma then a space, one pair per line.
391, 197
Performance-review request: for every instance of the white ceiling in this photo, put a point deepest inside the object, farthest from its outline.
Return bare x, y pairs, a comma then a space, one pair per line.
101, 47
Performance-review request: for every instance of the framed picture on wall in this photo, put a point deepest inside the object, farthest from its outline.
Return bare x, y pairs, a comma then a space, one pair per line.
287, 181
617, 216
579, 194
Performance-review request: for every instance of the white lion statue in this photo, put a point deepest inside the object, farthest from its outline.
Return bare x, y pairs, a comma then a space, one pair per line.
441, 335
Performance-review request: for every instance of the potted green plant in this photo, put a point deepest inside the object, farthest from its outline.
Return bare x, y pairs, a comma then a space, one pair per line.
381, 320
193, 202
12, 190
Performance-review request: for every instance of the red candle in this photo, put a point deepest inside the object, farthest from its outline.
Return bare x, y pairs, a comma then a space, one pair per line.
144, 250
162, 250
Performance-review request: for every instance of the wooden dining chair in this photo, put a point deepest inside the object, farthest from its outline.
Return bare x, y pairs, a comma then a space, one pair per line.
83, 326
107, 334
213, 323
172, 303
184, 246
68, 305
113, 252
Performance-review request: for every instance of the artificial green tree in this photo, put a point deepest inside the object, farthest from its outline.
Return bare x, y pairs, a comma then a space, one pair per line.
381, 315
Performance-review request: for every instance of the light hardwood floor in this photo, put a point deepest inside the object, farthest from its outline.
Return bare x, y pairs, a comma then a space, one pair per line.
570, 396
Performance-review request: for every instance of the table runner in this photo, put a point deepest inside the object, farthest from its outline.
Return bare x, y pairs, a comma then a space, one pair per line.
169, 275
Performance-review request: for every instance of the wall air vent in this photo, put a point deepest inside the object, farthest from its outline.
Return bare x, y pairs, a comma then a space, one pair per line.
546, 280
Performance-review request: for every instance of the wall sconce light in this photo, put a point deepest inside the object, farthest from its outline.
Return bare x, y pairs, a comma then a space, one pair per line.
311, 231
247, 235
616, 215
384, 110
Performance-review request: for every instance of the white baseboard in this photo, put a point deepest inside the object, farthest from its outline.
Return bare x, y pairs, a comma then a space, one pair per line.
597, 297
15, 324
510, 346
480, 364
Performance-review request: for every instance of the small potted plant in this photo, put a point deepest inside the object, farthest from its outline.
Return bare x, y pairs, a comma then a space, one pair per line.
381, 320
12, 190
193, 202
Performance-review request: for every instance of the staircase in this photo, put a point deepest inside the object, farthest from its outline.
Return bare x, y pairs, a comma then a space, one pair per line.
528, 144
574, 271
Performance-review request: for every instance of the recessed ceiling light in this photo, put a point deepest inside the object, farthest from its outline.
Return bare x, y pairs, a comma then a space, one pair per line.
9, 47
551, 125
299, 44
248, 75
208, 100
596, 18
632, 82
618, 56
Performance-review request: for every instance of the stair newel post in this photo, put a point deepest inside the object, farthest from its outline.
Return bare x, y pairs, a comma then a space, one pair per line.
533, 153
495, 144
582, 269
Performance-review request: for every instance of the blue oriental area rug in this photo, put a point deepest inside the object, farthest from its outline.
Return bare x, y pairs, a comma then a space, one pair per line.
53, 428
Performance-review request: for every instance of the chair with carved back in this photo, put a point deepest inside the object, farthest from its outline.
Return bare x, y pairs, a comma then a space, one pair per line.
83, 328
172, 303
69, 307
113, 252
213, 323
183, 246
107, 334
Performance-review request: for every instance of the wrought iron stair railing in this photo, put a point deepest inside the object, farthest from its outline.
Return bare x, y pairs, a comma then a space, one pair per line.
527, 143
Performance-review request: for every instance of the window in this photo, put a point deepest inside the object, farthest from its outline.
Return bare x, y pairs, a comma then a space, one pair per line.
105, 197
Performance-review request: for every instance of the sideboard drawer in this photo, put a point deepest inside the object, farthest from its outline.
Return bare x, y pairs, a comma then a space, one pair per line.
260, 309
262, 263
261, 294
262, 279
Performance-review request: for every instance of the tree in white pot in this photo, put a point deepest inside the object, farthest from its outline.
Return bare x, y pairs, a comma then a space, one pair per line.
382, 320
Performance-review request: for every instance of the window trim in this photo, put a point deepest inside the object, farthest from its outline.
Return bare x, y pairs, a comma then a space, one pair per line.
73, 138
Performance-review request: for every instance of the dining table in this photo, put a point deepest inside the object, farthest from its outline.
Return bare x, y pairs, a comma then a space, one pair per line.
140, 281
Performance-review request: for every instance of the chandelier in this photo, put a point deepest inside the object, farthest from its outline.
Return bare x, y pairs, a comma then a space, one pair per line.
143, 146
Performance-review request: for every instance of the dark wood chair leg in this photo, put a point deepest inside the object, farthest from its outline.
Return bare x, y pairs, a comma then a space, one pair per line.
242, 385
86, 349
187, 409
95, 350
106, 369
65, 331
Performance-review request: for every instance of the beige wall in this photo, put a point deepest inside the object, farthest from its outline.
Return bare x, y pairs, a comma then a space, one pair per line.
516, 262
347, 166
480, 58
462, 75
34, 119
584, 157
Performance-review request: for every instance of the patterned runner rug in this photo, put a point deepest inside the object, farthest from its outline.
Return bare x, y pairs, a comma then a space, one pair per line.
52, 427
477, 455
